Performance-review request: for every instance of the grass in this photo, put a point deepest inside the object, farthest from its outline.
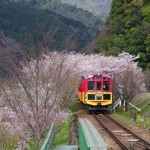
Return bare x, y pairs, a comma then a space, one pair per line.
123, 116
63, 130
76, 106
7, 141
142, 101
63, 133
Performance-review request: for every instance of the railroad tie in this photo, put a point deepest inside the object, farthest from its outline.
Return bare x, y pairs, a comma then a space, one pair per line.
133, 140
126, 135
117, 131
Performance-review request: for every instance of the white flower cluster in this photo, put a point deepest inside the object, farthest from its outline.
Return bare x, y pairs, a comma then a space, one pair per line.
47, 78
99, 64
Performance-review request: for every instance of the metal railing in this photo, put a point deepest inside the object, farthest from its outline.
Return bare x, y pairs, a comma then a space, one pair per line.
89, 137
49, 141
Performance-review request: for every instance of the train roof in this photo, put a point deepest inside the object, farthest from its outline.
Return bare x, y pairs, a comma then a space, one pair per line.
96, 75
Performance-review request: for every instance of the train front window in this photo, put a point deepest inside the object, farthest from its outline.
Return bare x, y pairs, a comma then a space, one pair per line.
99, 97
91, 86
98, 86
106, 96
91, 96
107, 86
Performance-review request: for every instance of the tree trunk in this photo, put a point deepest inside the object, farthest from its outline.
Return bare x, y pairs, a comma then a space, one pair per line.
122, 103
126, 105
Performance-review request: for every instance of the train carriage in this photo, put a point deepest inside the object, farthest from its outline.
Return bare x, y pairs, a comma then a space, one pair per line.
96, 92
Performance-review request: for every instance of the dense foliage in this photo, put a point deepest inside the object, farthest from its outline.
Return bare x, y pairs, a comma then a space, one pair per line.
67, 10
128, 30
87, 18
97, 7
21, 22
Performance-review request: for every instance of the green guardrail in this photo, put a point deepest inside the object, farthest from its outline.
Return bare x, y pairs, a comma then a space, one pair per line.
89, 137
49, 141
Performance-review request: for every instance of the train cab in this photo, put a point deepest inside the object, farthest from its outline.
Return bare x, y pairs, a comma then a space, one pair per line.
96, 92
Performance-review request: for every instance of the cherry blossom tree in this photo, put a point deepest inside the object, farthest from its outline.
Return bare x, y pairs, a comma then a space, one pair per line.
35, 90
127, 76
128, 85
40, 88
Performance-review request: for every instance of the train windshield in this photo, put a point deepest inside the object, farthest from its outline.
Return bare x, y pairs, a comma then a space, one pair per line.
98, 86
106, 86
91, 85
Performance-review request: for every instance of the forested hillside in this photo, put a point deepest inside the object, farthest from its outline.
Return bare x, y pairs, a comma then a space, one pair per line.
97, 7
128, 29
70, 11
26, 24
67, 10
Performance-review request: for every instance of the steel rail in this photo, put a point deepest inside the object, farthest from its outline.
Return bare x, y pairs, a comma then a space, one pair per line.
122, 145
147, 145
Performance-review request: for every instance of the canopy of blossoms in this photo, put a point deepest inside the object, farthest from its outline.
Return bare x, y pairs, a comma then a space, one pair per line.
94, 63
70, 63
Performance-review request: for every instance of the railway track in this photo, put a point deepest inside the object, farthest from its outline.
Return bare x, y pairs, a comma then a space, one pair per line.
126, 139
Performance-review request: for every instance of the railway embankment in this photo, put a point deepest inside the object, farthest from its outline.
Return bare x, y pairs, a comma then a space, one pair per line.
140, 127
142, 102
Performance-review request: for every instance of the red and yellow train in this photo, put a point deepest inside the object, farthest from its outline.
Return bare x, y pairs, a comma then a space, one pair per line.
96, 92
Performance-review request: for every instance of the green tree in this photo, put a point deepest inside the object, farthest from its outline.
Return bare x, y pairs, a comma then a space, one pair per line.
129, 27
